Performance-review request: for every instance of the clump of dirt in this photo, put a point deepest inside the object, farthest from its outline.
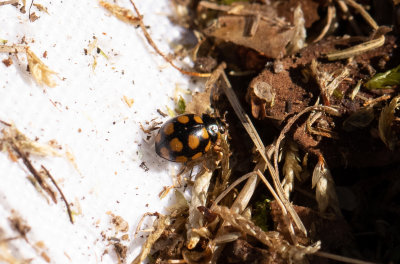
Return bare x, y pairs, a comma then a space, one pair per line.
318, 83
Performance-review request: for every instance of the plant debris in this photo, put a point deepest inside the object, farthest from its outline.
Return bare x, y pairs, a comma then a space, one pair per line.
40, 72
319, 119
18, 146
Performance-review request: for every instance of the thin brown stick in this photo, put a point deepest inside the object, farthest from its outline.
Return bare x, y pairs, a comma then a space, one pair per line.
329, 18
345, 9
363, 13
61, 193
5, 123
154, 46
33, 171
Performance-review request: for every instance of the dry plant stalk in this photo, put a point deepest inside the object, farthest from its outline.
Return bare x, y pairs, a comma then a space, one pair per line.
363, 13
331, 13
250, 129
18, 145
357, 49
127, 16
377, 40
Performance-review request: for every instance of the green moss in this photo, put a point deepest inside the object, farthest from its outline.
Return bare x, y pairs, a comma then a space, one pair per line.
261, 213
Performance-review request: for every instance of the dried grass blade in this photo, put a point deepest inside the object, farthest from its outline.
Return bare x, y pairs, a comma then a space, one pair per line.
329, 19
154, 46
342, 258
248, 125
282, 206
357, 49
363, 13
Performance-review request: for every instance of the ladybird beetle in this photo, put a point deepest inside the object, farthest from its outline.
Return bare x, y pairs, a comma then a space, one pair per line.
187, 137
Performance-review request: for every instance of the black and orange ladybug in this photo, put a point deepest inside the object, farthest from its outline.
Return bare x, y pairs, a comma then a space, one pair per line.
187, 137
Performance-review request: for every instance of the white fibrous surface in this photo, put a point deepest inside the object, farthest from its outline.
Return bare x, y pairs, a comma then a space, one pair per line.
110, 168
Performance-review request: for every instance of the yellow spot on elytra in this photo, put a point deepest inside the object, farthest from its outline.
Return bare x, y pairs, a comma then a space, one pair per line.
207, 148
197, 155
198, 119
164, 153
176, 145
204, 133
183, 119
181, 159
193, 141
169, 129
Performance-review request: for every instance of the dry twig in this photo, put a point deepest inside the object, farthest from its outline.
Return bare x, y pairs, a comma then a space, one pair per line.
127, 16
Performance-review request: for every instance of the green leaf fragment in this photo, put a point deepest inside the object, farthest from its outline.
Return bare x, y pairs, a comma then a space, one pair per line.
384, 80
180, 106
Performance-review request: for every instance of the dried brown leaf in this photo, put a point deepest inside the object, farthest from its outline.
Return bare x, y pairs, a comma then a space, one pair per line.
234, 29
